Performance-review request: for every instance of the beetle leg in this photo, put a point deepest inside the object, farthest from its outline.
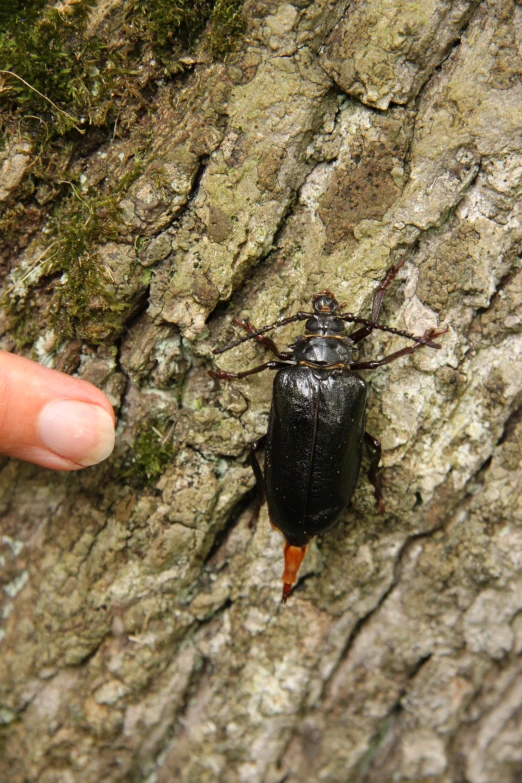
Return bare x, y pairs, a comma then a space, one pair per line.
360, 334
224, 375
293, 559
300, 316
375, 478
351, 318
383, 285
425, 340
266, 341
260, 482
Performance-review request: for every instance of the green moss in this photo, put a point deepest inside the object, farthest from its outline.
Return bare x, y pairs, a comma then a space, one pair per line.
170, 24
66, 79
48, 52
23, 328
178, 24
152, 452
82, 287
88, 80
59, 78
82, 294
228, 24
8, 10
85, 303
13, 13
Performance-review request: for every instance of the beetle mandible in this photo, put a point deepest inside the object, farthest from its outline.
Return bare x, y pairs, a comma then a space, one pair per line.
313, 447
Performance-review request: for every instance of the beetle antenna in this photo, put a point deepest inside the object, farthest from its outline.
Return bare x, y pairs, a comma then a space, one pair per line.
354, 319
282, 322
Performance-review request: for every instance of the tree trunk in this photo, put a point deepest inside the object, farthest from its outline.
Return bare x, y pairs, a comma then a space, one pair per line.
143, 636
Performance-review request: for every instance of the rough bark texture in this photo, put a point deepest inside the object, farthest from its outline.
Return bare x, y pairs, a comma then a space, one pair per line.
142, 635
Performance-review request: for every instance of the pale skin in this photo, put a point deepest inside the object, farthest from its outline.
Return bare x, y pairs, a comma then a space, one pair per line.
51, 419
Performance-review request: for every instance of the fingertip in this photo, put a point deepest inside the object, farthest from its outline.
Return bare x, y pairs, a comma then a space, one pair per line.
97, 397
77, 431
52, 419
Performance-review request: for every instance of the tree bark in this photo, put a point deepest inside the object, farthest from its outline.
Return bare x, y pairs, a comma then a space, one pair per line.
143, 637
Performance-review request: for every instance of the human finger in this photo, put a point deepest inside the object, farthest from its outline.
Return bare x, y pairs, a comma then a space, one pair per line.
51, 419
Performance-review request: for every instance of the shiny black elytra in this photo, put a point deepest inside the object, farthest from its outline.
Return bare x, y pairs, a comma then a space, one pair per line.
316, 428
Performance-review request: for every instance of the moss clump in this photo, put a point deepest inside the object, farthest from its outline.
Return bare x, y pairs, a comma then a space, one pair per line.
228, 24
46, 50
83, 288
75, 230
152, 452
79, 225
66, 78
8, 10
23, 328
90, 79
170, 25
173, 25
85, 304
13, 13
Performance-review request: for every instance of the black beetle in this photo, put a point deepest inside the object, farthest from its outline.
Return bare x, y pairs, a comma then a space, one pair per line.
316, 428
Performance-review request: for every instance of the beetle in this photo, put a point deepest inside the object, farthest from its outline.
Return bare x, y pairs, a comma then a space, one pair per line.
316, 430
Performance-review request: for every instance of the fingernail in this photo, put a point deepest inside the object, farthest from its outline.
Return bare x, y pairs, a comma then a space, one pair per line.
78, 431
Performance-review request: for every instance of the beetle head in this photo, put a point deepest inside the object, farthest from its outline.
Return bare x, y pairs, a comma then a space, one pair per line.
324, 302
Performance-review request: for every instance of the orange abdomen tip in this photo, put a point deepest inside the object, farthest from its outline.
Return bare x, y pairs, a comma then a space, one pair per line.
293, 558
